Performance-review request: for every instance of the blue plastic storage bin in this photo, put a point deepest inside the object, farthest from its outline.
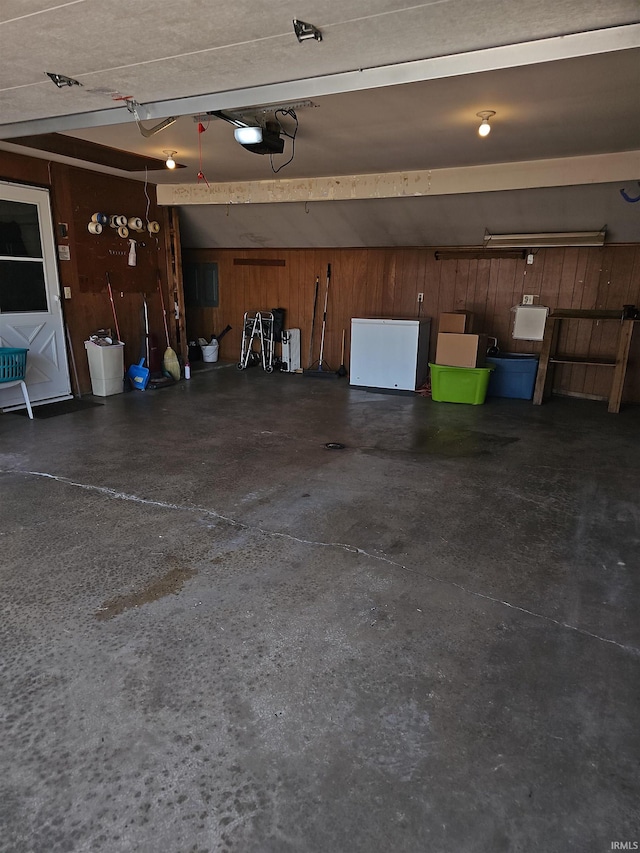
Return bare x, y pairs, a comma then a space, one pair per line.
514, 375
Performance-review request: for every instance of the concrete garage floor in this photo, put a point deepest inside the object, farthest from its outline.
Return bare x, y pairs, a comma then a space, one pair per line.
218, 635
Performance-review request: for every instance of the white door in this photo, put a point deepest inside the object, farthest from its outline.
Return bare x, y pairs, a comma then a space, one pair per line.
30, 307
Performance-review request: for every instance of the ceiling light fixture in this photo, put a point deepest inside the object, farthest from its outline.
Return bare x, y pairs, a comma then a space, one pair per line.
306, 31
485, 127
545, 239
170, 162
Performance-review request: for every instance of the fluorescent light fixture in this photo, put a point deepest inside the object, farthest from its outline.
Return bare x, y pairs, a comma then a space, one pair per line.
478, 254
545, 239
248, 135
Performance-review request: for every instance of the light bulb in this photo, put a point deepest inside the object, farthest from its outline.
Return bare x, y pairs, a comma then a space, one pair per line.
485, 127
170, 162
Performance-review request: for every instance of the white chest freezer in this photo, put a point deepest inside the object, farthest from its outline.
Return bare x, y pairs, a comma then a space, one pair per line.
389, 353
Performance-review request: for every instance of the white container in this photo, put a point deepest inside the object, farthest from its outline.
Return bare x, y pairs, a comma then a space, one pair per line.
388, 353
291, 349
210, 352
106, 367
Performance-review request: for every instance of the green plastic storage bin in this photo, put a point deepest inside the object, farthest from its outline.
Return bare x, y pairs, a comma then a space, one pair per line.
459, 384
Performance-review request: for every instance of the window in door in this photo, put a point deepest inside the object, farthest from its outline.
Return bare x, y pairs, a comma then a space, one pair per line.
22, 281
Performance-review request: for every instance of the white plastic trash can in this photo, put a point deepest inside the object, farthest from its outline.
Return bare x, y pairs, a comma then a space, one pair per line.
106, 367
210, 352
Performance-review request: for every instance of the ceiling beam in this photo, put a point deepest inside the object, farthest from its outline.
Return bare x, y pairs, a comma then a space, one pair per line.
559, 172
434, 68
93, 152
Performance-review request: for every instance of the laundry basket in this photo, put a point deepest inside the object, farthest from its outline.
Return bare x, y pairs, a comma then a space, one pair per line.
13, 366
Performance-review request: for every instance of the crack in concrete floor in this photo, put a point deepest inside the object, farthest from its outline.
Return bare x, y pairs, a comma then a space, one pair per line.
113, 493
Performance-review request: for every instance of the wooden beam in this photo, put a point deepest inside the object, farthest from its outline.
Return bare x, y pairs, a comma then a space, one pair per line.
492, 177
92, 152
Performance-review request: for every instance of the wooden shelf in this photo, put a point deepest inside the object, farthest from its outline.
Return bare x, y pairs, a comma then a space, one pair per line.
549, 358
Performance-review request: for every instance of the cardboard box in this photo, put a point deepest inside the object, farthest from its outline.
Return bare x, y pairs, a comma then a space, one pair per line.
454, 350
457, 322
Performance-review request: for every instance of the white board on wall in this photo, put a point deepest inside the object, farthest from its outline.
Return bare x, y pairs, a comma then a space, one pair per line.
529, 322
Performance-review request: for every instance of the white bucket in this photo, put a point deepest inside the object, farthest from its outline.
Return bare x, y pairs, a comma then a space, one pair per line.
210, 352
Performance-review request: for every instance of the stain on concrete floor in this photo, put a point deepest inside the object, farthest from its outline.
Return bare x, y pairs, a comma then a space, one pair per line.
170, 583
448, 442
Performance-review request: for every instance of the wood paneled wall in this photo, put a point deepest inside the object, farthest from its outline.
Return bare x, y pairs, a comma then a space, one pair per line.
364, 283
75, 195
386, 283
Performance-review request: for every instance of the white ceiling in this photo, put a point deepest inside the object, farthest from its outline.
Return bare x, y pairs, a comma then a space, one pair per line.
554, 98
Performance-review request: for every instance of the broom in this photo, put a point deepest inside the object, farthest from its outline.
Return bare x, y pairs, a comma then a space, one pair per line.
170, 359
